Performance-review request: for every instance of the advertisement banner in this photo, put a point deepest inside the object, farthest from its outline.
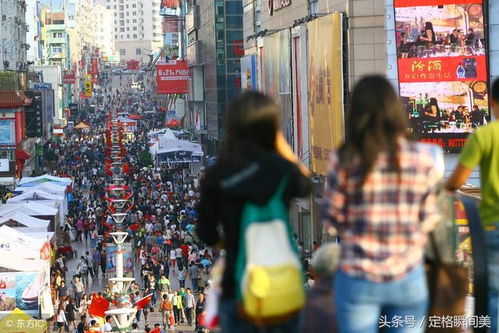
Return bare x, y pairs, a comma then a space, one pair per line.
7, 132
95, 66
442, 67
127, 259
325, 100
133, 65
248, 72
69, 77
172, 77
276, 76
19, 290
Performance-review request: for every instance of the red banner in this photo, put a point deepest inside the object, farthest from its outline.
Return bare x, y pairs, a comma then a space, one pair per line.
172, 77
69, 77
133, 65
442, 69
95, 69
414, 3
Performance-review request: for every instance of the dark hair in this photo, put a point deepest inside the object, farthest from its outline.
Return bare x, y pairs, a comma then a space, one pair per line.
375, 121
252, 124
495, 91
429, 26
108, 317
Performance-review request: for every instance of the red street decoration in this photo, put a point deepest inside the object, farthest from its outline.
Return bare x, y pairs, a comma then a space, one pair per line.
111, 209
126, 168
99, 306
173, 123
172, 77
140, 304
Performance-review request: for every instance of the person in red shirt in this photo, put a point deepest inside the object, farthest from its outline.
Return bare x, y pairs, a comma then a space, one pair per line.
156, 328
185, 253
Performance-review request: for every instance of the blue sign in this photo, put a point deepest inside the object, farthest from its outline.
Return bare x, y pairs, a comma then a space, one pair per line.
43, 86
248, 72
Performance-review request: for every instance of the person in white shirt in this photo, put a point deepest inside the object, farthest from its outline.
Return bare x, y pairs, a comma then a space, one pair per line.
107, 326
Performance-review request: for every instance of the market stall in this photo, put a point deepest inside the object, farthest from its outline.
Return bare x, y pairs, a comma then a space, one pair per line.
35, 209
22, 221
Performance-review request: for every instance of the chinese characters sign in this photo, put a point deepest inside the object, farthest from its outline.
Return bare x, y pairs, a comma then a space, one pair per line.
442, 68
172, 77
326, 89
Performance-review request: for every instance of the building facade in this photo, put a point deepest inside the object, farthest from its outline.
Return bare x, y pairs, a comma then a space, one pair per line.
137, 28
33, 36
13, 29
214, 32
57, 46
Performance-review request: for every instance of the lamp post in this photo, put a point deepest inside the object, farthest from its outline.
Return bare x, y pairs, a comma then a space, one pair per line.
124, 313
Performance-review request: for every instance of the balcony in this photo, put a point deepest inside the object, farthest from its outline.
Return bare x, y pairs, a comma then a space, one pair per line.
60, 40
193, 53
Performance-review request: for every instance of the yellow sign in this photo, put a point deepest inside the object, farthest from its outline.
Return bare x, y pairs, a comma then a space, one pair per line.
325, 100
88, 88
19, 321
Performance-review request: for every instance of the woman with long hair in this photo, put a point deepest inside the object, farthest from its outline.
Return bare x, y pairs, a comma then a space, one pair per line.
61, 320
380, 199
254, 161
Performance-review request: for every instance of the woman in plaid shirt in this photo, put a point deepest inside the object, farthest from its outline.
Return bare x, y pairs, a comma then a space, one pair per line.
380, 198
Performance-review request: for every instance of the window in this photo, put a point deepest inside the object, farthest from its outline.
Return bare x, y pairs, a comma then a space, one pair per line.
127, 28
138, 51
57, 35
56, 49
134, 21
233, 8
122, 52
134, 28
134, 5
108, 7
134, 13
134, 36
128, 36
314, 4
122, 29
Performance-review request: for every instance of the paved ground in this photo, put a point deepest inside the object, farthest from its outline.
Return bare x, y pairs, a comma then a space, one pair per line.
100, 282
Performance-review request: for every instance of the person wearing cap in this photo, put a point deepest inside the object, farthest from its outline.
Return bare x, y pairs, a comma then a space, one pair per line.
319, 313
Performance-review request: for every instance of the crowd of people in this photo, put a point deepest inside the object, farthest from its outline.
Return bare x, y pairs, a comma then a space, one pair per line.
160, 226
379, 200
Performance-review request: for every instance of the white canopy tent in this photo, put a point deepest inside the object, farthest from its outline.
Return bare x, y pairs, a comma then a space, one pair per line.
40, 209
49, 187
176, 150
32, 181
29, 222
36, 194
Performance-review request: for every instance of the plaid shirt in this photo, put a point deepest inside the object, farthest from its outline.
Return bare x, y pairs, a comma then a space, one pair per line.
383, 225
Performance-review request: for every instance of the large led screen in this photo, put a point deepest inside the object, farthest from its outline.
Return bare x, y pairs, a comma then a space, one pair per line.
442, 66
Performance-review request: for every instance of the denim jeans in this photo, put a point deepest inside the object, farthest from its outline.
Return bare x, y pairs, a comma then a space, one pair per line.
230, 322
492, 241
363, 306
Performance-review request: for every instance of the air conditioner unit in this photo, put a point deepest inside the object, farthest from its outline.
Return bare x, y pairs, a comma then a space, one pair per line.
4, 17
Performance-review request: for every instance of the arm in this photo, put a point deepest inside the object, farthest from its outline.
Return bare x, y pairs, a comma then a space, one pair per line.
470, 157
458, 177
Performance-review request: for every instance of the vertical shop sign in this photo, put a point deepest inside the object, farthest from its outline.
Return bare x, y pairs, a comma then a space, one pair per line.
325, 100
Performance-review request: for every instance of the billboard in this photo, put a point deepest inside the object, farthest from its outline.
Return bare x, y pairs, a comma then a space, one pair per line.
7, 132
69, 76
127, 259
172, 77
325, 100
20, 290
248, 72
276, 76
442, 68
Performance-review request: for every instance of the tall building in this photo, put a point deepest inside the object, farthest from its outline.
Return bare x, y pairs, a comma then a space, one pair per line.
57, 40
137, 28
214, 47
13, 30
34, 34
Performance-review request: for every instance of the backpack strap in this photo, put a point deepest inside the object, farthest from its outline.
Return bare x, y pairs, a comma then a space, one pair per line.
282, 187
